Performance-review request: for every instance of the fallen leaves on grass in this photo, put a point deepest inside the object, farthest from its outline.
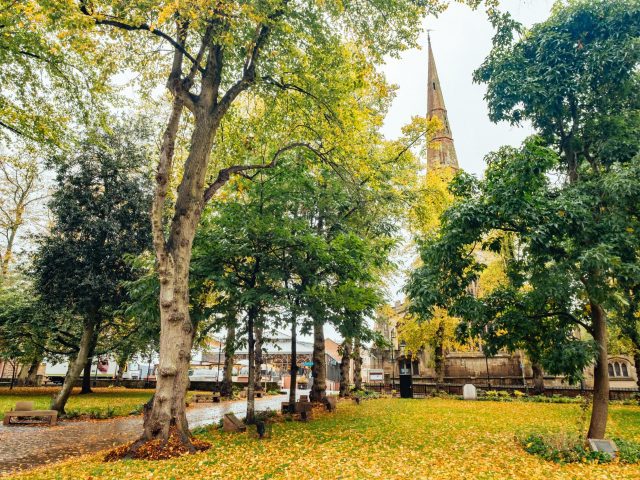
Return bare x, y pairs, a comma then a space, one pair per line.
432, 439
158, 449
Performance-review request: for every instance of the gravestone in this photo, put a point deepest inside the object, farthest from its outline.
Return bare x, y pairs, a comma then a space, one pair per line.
606, 446
231, 423
330, 403
469, 392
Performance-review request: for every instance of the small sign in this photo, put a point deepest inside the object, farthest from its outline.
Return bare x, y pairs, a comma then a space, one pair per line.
606, 446
308, 364
376, 375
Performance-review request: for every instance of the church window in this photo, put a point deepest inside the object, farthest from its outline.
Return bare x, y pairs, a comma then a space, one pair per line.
625, 370
616, 366
611, 374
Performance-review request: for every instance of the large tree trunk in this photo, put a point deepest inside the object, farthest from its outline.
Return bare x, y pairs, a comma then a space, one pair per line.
598, 425
538, 378
293, 368
318, 370
75, 367
226, 390
174, 256
345, 363
259, 359
357, 365
251, 404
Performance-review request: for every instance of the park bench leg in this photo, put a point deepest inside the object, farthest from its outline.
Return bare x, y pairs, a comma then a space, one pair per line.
5, 420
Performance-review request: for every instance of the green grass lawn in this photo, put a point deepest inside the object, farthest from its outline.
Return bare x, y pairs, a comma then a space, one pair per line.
103, 402
383, 439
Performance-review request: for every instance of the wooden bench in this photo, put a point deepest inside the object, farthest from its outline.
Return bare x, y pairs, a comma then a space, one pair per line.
25, 410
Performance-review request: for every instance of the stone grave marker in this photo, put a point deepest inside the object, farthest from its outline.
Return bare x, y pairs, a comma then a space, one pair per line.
231, 423
469, 392
330, 402
606, 446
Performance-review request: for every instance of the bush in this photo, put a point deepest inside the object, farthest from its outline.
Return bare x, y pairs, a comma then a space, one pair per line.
365, 394
628, 451
572, 449
500, 396
519, 394
265, 415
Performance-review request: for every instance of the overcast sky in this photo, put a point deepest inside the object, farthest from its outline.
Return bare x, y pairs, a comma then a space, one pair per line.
461, 39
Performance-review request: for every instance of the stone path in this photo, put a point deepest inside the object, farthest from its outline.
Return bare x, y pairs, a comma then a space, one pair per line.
27, 447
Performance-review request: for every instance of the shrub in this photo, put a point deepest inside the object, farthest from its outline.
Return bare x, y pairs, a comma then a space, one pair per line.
563, 449
365, 394
519, 394
628, 451
70, 414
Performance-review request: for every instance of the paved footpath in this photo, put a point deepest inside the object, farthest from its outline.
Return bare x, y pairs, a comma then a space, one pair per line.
27, 447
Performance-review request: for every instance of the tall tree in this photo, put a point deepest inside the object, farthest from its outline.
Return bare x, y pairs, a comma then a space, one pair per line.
586, 55
100, 210
21, 189
219, 53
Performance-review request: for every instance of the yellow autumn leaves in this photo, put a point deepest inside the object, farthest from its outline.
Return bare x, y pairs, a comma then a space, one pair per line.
439, 439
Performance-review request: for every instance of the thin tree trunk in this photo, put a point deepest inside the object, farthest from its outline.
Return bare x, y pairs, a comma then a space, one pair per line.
538, 378
259, 359
293, 369
598, 425
439, 355
636, 364
226, 390
86, 376
318, 370
75, 367
21, 380
123, 359
251, 405
357, 365
32, 375
345, 363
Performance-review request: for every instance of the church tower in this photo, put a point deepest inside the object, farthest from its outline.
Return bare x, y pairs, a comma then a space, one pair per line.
441, 151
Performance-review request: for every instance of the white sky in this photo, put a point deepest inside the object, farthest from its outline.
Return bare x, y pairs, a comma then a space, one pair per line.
461, 39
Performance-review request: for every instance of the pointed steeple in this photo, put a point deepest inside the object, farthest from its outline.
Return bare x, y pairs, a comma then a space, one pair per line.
441, 151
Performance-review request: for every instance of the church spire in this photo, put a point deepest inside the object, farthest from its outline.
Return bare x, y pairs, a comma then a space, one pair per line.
441, 151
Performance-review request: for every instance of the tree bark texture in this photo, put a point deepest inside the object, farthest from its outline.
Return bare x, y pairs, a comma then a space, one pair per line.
599, 412
293, 368
357, 365
251, 405
345, 363
86, 376
259, 359
226, 390
318, 370
538, 378
75, 368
